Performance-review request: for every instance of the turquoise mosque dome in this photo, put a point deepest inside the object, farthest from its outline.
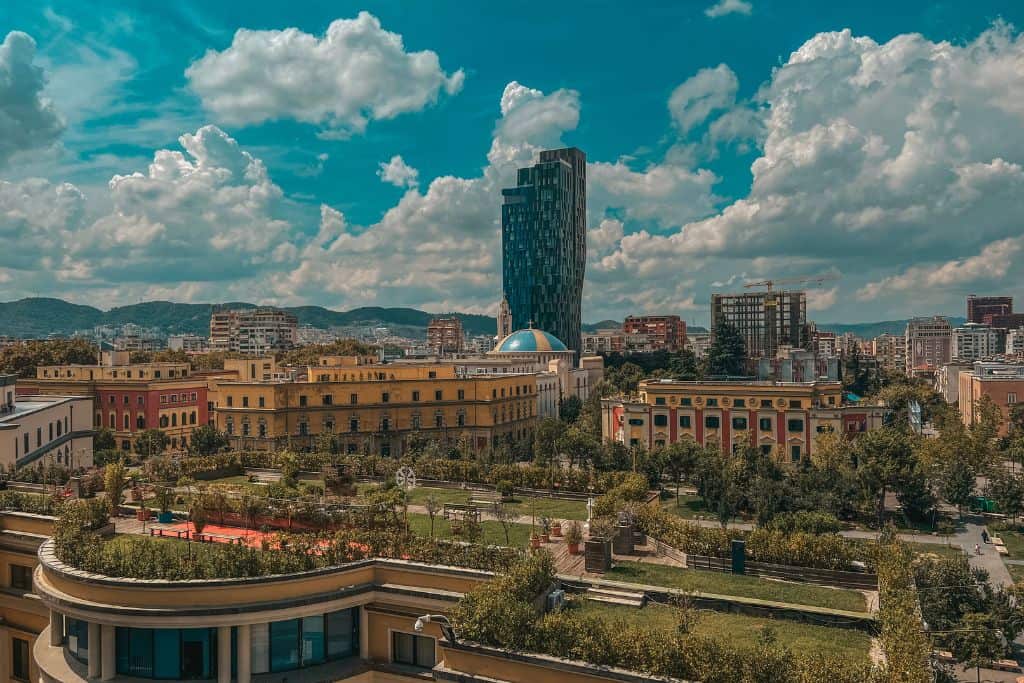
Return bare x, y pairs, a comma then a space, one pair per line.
529, 340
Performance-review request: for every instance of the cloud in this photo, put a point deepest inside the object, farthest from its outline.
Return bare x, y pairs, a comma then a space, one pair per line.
27, 119
724, 7
709, 90
209, 213
875, 155
355, 73
398, 173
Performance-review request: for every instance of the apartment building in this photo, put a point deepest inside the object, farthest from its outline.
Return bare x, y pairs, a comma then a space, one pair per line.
255, 331
189, 343
22, 615
780, 418
1001, 382
891, 352
1015, 342
48, 429
947, 380
664, 332
974, 341
444, 335
980, 309
130, 397
375, 408
929, 345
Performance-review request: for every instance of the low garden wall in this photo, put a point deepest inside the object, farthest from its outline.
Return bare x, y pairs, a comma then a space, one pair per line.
825, 577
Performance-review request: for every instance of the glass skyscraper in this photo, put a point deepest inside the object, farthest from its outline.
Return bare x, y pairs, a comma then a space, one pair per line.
544, 244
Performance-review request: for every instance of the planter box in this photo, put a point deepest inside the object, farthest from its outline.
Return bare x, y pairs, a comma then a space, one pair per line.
165, 517
622, 543
142, 514
597, 555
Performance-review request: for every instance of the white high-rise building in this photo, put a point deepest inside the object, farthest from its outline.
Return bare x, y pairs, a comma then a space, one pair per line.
974, 341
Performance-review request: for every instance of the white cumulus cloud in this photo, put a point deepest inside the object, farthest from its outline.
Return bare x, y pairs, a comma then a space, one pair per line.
398, 173
27, 119
355, 73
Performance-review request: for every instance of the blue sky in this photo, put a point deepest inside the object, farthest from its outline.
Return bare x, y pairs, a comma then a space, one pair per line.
728, 141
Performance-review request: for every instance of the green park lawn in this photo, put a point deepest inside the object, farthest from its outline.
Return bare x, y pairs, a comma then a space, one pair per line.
1014, 541
555, 508
743, 631
722, 583
940, 549
494, 533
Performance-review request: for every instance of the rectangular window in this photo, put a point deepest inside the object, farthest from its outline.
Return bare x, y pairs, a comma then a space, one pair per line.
462, 394
342, 633
284, 645
263, 402
438, 395
686, 401
794, 453
712, 402
712, 422
659, 401
77, 638
766, 449
740, 403
302, 401
19, 659
353, 424
230, 401
245, 401
1011, 398
167, 653
766, 403
260, 645
353, 399
385, 397
661, 420
684, 421
135, 651
412, 650
313, 644
415, 395
739, 423
765, 424
21, 577
795, 425
636, 422
796, 404
328, 400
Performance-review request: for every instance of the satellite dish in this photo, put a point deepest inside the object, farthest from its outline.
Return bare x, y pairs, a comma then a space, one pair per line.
405, 477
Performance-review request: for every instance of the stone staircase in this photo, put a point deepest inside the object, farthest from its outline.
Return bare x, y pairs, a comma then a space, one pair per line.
616, 596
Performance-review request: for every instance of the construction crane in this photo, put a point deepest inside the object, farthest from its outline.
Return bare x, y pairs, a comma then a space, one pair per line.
790, 281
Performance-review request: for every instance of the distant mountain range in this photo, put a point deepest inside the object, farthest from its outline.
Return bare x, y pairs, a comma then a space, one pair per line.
42, 317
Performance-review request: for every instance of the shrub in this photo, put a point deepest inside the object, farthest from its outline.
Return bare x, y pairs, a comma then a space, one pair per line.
505, 488
806, 521
907, 648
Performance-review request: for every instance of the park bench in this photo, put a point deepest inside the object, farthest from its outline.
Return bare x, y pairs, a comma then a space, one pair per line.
176, 533
461, 512
995, 540
486, 500
1001, 549
943, 656
210, 538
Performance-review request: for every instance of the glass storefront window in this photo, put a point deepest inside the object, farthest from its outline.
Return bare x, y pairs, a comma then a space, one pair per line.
343, 633
77, 638
166, 653
313, 640
284, 645
260, 644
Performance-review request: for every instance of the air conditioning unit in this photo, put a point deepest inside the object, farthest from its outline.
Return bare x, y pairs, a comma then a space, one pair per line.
556, 599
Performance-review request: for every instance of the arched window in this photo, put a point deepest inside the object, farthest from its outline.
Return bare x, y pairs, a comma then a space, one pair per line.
192, 418
174, 419
263, 428
230, 425
113, 421
184, 418
127, 422
163, 422
140, 422
245, 427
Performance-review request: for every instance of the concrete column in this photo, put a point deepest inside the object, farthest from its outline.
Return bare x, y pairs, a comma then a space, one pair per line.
223, 654
56, 628
108, 660
95, 651
244, 654
364, 633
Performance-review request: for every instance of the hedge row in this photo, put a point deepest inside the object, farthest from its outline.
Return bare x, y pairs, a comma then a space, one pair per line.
798, 548
906, 646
